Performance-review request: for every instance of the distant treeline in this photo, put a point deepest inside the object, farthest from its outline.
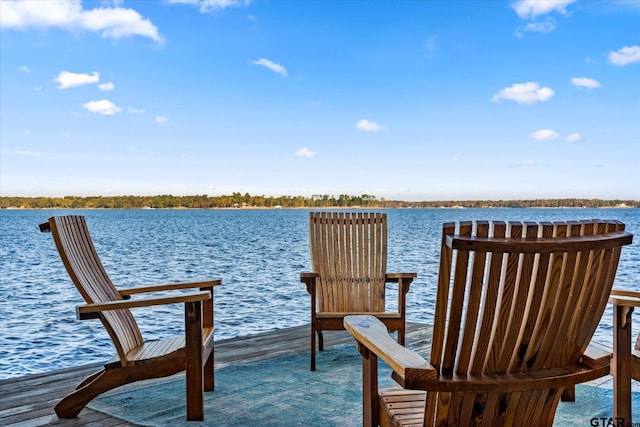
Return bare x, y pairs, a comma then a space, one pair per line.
237, 200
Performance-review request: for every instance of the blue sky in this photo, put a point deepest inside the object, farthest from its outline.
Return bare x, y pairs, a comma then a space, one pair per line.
412, 100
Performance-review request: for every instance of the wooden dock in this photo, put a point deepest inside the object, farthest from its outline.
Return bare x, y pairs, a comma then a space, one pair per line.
29, 401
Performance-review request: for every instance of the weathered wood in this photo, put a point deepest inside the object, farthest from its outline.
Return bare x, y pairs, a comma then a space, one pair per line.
349, 260
137, 360
516, 308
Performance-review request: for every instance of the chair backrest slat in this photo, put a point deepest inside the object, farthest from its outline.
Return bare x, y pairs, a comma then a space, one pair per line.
349, 252
442, 296
475, 299
83, 265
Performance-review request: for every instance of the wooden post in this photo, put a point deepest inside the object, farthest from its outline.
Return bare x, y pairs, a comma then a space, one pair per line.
193, 360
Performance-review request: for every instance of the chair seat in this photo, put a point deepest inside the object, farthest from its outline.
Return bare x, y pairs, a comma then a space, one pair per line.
401, 408
339, 314
165, 348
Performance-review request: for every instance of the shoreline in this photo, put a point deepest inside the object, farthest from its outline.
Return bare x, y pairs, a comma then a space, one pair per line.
249, 208
317, 201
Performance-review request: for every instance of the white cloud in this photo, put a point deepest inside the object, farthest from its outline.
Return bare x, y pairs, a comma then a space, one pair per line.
103, 107
574, 137
430, 42
544, 27
305, 152
67, 79
272, 66
135, 110
112, 22
529, 9
524, 93
368, 126
625, 56
212, 5
524, 164
161, 119
585, 82
24, 69
533, 9
106, 86
27, 153
545, 135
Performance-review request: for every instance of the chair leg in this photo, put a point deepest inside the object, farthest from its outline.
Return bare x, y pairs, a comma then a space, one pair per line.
401, 335
313, 348
193, 361
569, 394
320, 341
209, 376
71, 405
89, 379
370, 403
621, 363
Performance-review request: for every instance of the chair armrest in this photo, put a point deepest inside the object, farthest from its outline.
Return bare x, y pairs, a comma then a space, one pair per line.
170, 287
624, 298
396, 277
92, 311
372, 334
597, 355
309, 279
307, 276
402, 279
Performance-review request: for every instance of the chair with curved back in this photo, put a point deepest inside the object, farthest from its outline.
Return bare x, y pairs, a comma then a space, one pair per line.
349, 260
136, 359
516, 308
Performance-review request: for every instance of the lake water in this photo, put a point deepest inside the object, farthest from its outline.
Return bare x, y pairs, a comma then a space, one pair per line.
258, 254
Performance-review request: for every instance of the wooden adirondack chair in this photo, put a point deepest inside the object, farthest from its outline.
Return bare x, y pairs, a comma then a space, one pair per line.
626, 358
136, 359
516, 308
349, 260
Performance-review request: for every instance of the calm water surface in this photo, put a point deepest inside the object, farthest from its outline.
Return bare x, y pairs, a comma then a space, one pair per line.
258, 254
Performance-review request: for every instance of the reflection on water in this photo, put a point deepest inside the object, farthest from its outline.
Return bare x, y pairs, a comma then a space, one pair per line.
258, 254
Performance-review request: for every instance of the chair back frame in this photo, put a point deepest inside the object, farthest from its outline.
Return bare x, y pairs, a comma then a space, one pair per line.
516, 298
79, 256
